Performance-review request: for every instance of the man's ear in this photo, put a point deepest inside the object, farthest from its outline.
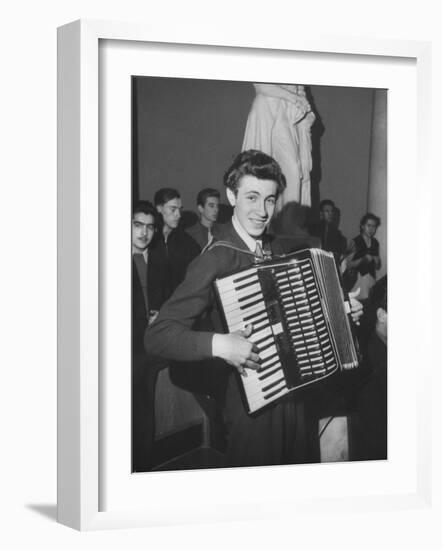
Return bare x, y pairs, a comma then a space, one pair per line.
159, 208
200, 208
381, 315
231, 197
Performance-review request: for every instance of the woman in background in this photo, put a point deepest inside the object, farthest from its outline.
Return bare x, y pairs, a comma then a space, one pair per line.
363, 260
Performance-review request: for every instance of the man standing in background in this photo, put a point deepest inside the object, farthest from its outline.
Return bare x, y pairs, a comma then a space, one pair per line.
332, 240
207, 202
174, 249
146, 300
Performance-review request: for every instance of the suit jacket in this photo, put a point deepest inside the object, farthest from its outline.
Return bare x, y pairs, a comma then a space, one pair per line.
267, 437
155, 295
172, 259
200, 233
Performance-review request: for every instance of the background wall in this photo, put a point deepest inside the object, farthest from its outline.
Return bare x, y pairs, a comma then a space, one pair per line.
188, 131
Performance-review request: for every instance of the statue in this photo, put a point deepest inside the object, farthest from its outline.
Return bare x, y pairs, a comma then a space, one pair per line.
279, 124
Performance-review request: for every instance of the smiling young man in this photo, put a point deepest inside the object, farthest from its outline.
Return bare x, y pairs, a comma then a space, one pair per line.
253, 182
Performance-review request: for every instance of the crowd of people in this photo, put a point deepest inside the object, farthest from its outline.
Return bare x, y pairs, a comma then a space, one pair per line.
176, 318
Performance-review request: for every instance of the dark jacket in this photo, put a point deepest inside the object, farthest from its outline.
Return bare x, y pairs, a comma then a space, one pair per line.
200, 233
264, 438
332, 240
155, 294
172, 259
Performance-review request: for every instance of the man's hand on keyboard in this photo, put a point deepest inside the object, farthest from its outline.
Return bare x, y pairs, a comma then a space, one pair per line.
236, 350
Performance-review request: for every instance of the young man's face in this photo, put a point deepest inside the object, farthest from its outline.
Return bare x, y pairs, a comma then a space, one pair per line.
254, 203
209, 212
328, 213
143, 229
171, 212
369, 228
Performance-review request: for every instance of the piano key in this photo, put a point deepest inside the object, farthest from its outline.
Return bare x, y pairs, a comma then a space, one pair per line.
277, 391
272, 385
269, 361
246, 302
246, 315
267, 353
234, 294
260, 379
264, 344
272, 365
259, 321
256, 388
259, 335
234, 281
268, 373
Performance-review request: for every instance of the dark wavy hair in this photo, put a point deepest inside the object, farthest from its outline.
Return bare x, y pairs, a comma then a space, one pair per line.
145, 207
369, 216
326, 202
254, 163
164, 195
204, 194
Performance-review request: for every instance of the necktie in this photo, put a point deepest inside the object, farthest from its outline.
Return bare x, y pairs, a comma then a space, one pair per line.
141, 266
258, 251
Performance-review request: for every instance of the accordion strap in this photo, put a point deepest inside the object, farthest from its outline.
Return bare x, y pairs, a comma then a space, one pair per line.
226, 244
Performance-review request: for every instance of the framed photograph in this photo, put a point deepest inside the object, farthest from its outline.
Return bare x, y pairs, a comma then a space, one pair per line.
139, 114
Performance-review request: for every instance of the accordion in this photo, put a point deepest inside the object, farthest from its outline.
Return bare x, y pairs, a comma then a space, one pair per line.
300, 322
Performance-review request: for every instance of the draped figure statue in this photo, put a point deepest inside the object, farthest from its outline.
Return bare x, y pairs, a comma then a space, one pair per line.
279, 124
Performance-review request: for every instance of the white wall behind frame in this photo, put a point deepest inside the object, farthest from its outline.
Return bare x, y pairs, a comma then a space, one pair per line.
28, 179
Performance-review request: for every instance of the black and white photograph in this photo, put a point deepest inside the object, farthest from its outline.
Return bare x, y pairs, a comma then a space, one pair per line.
259, 274
202, 203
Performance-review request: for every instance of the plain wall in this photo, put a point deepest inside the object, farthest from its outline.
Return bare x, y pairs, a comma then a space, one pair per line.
188, 131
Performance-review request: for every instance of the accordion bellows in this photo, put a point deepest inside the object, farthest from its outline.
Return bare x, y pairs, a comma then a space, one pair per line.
300, 322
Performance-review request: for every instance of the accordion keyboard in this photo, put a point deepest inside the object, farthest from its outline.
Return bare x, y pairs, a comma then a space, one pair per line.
244, 304
291, 319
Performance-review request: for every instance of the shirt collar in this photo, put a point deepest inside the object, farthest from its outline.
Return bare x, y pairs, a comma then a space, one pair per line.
250, 241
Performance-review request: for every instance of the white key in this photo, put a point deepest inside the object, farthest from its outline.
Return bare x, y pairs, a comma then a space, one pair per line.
234, 295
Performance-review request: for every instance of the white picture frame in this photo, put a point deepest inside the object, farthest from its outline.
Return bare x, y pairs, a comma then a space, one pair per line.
79, 276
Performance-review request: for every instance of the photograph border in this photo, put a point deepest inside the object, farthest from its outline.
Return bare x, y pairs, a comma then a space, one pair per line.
79, 250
